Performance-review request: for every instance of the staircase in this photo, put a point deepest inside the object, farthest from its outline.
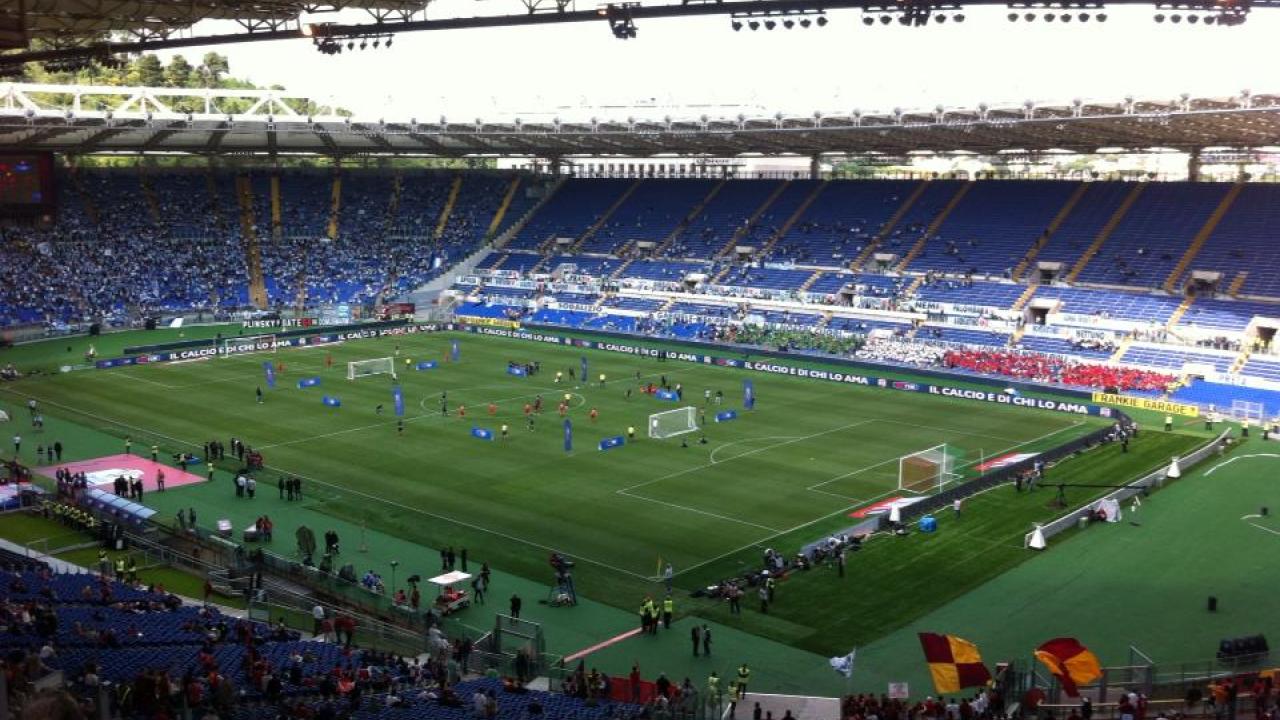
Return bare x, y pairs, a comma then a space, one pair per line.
277, 224
502, 207
393, 205
153, 204
498, 264
1106, 231
889, 225
720, 275
211, 186
666, 305
1238, 364
252, 250
443, 222
1016, 337
753, 219
1197, 243
519, 224
791, 221
608, 213
804, 287
1054, 224
618, 273
688, 218
335, 206
1121, 349
1179, 311
1237, 283
918, 248
90, 209
914, 286
1024, 298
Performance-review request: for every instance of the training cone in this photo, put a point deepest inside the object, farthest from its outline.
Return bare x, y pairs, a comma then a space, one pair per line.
1174, 471
1037, 539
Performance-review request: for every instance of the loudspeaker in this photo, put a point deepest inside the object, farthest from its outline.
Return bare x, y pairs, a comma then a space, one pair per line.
1213, 604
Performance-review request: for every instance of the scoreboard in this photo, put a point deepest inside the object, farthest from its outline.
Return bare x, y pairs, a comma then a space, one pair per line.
26, 180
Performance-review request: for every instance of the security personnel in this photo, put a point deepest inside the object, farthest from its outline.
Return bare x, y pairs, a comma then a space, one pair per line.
1168, 422
104, 565
744, 674
133, 570
1244, 428
210, 469
713, 689
668, 609
120, 568
128, 445
770, 584
155, 453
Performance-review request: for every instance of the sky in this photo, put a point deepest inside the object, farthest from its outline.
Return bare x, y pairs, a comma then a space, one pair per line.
689, 66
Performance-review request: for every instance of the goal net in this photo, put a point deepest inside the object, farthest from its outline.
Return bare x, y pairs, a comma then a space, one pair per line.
376, 366
673, 422
927, 471
248, 344
1247, 410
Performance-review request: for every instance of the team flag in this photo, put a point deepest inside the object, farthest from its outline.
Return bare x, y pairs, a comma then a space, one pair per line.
748, 395
454, 352
584, 368
844, 663
954, 663
331, 401
308, 382
1071, 662
397, 400
568, 435
269, 369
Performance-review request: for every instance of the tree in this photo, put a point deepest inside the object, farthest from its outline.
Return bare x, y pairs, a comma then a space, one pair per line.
212, 67
150, 71
178, 73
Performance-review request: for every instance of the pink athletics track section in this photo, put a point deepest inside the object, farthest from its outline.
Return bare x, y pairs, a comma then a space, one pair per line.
103, 471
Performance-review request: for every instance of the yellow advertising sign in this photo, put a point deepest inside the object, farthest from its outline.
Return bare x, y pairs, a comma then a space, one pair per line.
1141, 403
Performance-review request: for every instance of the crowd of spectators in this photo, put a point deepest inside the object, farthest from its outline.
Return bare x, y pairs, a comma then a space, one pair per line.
792, 339
905, 352
1051, 369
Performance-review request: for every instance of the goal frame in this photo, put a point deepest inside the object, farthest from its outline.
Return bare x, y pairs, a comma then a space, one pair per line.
690, 426
229, 342
941, 459
1248, 410
390, 368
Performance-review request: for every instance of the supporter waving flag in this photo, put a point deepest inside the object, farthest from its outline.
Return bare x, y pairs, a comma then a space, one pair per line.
1071, 662
954, 663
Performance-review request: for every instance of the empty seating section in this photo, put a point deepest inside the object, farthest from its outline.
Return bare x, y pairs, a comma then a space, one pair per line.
1139, 307
771, 221
993, 226
662, 270
1220, 396
582, 265
703, 309
960, 292
1228, 315
1078, 231
842, 220
713, 227
1263, 367
520, 262
575, 207
576, 298
766, 278
486, 310
1173, 358
864, 325
1148, 242
830, 283
786, 317
569, 318
964, 336
1247, 239
651, 212
917, 218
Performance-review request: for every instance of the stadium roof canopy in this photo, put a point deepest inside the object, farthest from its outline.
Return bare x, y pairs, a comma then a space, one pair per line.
82, 119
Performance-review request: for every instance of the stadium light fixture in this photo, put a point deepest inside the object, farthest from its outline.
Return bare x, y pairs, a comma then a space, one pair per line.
805, 23
868, 20
788, 23
822, 21
770, 24
737, 25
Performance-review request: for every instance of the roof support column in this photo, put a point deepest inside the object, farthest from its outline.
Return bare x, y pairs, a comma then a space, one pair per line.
1193, 165
815, 166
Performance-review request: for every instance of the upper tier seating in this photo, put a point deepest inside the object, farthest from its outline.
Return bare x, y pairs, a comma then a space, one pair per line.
1078, 231
977, 293
1174, 358
575, 207
993, 226
1139, 307
1247, 239
651, 213
1150, 239
710, 231
846, 216
1229, 315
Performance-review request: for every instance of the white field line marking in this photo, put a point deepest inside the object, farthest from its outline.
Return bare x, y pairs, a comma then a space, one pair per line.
138, 378
1265, 529
801, 526
1225, 463
706, 513
745, 441
706, 465
343, 488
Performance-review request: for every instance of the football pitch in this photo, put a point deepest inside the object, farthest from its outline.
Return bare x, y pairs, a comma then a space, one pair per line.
787, 472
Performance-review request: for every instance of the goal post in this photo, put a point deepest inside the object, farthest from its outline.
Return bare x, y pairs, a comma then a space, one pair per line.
1247, 410
927, 471
374, 366
248, 344
671, 423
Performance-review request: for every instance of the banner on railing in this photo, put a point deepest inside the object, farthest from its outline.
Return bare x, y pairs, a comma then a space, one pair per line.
1141, 403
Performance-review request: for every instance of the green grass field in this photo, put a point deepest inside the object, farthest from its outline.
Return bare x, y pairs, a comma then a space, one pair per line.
782, 475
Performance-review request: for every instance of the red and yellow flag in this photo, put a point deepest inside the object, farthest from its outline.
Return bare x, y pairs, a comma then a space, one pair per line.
1071, 662
954, 662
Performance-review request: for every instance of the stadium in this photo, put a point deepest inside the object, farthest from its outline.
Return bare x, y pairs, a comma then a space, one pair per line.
638, 410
